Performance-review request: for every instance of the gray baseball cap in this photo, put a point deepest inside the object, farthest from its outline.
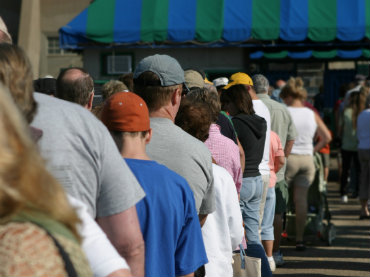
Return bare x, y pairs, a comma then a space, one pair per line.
165, 67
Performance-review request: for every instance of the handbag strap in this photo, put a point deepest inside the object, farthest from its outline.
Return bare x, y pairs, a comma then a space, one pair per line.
69, 267
242, 254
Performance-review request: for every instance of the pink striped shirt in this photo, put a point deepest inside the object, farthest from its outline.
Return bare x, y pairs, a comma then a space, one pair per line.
226, 154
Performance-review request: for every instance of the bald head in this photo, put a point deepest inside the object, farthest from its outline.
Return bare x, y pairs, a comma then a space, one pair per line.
75, 85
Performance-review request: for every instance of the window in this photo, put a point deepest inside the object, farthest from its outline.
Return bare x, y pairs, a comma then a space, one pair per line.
117, 63
53, 47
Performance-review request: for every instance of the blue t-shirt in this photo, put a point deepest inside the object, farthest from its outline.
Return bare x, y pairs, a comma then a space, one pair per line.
168, 220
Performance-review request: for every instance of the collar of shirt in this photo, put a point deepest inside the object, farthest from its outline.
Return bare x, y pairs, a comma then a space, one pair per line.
214, 129
263, 96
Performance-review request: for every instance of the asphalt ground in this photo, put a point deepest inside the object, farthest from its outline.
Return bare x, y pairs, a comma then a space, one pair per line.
348, 254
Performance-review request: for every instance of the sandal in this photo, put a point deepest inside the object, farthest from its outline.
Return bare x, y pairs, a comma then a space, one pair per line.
300, 246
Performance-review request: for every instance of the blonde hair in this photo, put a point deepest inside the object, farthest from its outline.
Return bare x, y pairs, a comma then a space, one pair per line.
16, 74
294, 88
25, 184
112, 87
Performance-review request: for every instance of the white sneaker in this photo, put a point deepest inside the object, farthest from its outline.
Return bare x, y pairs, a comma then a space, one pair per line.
278, 258
271, 263
344, 199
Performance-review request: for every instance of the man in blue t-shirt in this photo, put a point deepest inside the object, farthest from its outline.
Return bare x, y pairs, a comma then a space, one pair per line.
167, 215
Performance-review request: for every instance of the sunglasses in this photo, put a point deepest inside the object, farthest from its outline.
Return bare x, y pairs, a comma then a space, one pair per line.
185, 90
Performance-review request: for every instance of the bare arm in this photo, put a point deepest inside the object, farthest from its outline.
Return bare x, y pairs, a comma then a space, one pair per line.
187, 275
202, 219
123, 230
323, 132
242, 155
288, 148
279, 163
120, 273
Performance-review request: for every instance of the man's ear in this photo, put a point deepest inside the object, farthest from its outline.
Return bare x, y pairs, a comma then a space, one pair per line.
176, 97
90, 103
148, 136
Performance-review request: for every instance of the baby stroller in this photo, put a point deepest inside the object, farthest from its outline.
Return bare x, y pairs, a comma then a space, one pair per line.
318, 209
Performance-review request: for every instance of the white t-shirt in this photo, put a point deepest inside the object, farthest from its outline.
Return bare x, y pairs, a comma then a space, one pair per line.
262, 111
363, 129
223, 230
100, 253
305, 123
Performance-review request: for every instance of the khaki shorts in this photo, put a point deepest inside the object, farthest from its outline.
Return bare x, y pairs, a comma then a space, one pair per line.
300, 170
282, 197
325, 159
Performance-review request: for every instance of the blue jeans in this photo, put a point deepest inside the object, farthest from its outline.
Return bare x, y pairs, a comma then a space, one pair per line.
250, 200
268, 216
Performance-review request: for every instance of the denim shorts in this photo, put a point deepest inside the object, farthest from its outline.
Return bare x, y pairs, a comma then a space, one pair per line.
268, 216
250, 200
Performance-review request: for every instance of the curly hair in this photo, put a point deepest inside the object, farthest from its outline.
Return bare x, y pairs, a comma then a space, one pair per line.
207, 96
16, 75
294, 88
111, 87
194, 118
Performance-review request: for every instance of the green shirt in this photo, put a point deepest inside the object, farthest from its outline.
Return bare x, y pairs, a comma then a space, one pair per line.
281, 123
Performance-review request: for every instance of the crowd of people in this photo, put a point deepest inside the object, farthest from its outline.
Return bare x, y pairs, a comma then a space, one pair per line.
169, 176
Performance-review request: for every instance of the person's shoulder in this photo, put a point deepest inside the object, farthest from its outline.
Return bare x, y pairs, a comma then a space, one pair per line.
58, 111
222, 176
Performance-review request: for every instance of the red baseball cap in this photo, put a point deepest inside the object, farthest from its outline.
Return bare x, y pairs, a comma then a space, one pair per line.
126, 112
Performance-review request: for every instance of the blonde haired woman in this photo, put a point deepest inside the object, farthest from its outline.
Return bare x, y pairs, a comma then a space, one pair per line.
300, 169
38, 235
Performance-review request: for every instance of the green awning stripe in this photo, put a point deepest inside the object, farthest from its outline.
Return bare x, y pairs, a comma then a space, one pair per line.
367, 10
209, 20
154, 16
266, 19
322, 13
276, 55
366, 53
100, 21
324, 54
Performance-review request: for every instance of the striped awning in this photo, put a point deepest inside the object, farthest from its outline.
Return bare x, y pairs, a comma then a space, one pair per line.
246, 23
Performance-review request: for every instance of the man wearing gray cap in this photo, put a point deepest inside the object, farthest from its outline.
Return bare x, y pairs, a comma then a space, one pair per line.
159, 80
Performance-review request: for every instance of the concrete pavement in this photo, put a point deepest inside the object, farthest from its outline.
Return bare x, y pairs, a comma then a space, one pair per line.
349, 254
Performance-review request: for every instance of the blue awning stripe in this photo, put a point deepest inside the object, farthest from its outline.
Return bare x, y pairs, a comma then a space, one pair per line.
237, 20
349, 54
127, 21
351, 20
181, 28
74, 32
300, 55
293, 20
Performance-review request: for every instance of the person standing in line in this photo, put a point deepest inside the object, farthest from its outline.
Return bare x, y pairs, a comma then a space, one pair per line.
300, 170
81, 155
167, 215
159, 80
283, 125
349, 142
251, 130
261, 110
224, 151
223, 230
363, 135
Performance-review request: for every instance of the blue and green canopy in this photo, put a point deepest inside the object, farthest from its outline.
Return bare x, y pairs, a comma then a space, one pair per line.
216, 23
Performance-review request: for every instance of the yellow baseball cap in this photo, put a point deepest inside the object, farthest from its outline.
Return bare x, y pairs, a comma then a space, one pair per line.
239, 78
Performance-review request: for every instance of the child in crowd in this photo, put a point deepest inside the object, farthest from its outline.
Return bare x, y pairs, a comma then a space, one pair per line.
276, 162
167, 215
